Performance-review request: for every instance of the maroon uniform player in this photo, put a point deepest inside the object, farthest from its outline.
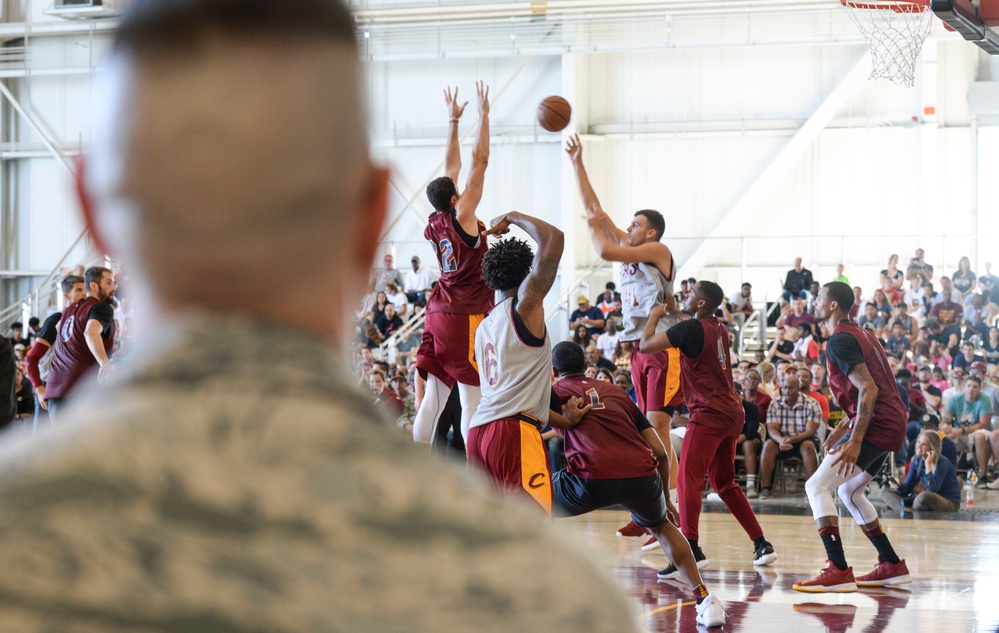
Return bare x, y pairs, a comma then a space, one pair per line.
863, 384
85, 337
615, 456
460, 300
716, 415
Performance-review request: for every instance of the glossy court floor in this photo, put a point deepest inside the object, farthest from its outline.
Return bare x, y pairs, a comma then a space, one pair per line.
953, 559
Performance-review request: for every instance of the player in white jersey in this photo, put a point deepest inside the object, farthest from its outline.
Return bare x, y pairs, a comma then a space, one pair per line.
647, 275
515, 366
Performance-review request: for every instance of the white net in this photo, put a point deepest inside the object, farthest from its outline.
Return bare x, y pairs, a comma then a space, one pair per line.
894, 32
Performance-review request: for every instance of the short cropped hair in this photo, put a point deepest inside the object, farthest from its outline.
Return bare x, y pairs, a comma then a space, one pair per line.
506, 264
712, 293
568, 358
94, 275
165, 26
656, 221
69, 281
439, 193
840, 293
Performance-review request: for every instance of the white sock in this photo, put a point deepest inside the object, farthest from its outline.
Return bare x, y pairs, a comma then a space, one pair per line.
751, 481
674, 496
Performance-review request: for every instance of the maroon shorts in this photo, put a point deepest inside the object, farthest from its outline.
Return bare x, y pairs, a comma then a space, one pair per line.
515, 456
448, 348
657, 379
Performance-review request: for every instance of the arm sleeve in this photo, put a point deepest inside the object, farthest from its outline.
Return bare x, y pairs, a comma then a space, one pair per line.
688, 337
50, 328
104, 314
31, 362
843, 351
642, 422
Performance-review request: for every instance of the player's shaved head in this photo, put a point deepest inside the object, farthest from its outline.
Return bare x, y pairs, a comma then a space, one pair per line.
840, 293
568, 358
231, 150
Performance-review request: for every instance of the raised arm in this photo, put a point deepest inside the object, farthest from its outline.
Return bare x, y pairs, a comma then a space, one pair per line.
469, 199
591, 204
534, 288
452, 156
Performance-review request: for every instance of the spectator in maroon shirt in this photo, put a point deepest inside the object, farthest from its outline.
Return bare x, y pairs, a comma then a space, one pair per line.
948, 314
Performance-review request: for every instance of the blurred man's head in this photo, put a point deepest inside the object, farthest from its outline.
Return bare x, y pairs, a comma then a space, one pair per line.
230, 151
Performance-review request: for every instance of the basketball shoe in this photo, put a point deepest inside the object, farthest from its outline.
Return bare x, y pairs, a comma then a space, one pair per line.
764, 554
651, 544
710, 612
886, 574
632, 531
672, 573
830, 580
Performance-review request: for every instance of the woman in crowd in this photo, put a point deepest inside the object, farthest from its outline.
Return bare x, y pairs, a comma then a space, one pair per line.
581, 336
932, 481
990, 348
622, 378
964, 280
883, 305
894, 276
604, 375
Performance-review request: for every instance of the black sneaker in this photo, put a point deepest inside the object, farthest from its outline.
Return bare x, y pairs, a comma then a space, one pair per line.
764, 554
672, 573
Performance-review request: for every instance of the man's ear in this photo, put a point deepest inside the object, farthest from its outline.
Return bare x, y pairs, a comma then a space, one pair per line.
85, 199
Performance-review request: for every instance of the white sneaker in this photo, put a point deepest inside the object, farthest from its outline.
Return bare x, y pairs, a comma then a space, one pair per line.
713, 496
710, 612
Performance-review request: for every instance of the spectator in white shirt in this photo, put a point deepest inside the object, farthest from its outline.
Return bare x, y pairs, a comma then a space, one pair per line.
417, 282
742, 305
607, 342
397, 298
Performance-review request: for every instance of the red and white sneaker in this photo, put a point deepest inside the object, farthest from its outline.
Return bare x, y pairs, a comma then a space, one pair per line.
633, 531
886, 574
651, 544
832, 579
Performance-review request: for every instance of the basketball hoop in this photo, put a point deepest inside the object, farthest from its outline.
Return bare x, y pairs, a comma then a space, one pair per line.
895, 31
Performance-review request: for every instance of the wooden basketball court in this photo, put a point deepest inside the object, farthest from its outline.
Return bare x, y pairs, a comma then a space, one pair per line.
954, 564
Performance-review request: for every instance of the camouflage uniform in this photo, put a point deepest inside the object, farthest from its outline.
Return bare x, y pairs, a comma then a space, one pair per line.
231, 479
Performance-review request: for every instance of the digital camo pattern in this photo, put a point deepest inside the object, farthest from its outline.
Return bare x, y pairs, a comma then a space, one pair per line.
231, 480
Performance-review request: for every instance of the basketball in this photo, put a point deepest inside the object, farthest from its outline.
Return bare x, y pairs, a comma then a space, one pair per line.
554, 113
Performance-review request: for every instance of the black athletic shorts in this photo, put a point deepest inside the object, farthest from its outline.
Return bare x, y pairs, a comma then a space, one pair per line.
871, 457
642, 496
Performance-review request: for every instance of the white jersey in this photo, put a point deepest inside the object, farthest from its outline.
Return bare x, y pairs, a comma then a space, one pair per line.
514, 377
642, 287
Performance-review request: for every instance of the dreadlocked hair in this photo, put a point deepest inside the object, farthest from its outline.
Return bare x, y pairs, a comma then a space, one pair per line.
507, 263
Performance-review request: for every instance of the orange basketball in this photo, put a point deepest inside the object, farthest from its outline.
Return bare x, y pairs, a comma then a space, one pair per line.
554, 113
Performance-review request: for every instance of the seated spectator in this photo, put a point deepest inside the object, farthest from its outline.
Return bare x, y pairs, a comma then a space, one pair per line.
622, 355
805, 347
980, 369
607, 298
768, 374
963, 280
967, 356
897, 344
939, 355
397, 298
986, 281
858, 302
684, 292
990, 348
939, 380
872, 320
587, 315
616, 315
841, 274
388, 322
883, 305
820, 379
756, 404
892, 278
608, 341
17, 335
914, 401
975, 316
418, 283
948, 314
792, 424
781, 348
805, 379
918, 268
24, 397
581, 336
595, 358
901, 316
796, 316
931, 484
913, 298
384, 398
967, 419
742, 305
622, 378
400, 385
797, 281
381, 300
932, 394
388, 273
604, 375
813, 294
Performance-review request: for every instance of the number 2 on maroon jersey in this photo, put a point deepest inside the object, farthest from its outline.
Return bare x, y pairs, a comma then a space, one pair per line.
446, 254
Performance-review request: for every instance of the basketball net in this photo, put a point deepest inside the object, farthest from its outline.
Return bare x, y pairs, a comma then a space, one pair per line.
895, 31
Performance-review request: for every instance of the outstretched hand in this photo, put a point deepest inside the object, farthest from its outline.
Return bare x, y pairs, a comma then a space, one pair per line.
574, 148
482, 96
453, 109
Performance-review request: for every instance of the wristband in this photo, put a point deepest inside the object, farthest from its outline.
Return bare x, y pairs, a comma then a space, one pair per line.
454, 120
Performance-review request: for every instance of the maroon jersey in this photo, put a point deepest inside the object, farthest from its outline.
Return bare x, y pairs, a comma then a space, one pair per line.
607, 443
706, 375
71, 357
849, 346
460, 289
